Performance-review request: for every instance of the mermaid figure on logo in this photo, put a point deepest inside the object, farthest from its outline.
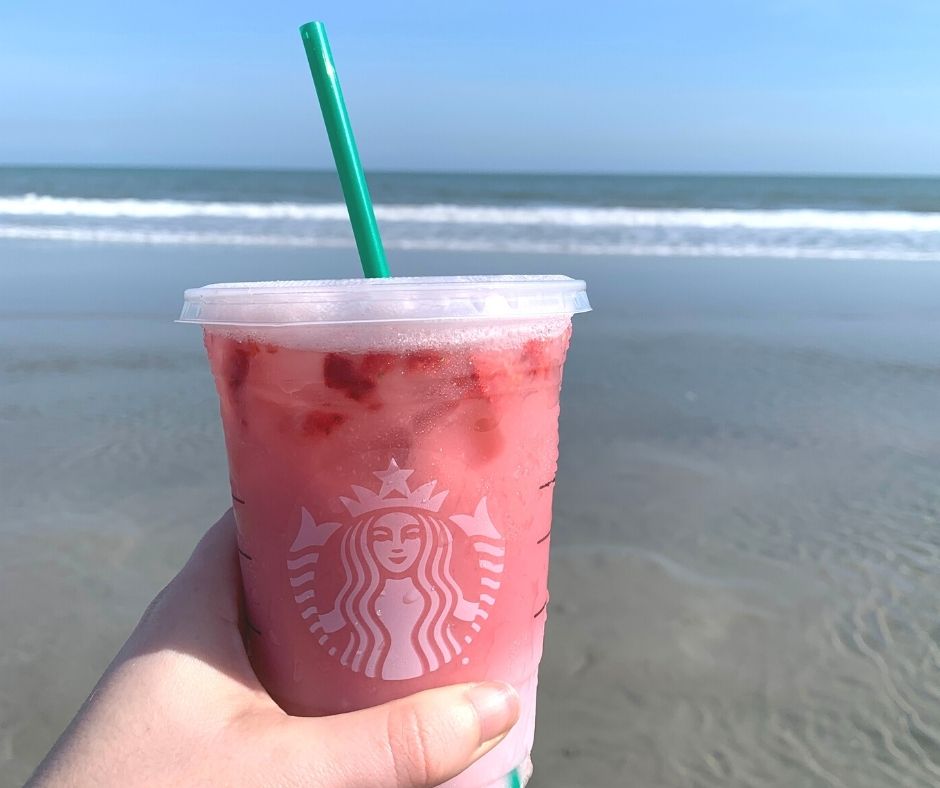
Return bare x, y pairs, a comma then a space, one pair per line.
396, 614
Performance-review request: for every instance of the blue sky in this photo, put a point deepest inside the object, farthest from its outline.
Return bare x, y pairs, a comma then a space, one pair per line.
591, 86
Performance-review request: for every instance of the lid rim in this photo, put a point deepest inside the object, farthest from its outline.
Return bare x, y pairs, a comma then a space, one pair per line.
376, 286
390, 300
374, 321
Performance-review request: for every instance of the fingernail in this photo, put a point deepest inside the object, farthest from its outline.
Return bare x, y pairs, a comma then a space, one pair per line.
497, 706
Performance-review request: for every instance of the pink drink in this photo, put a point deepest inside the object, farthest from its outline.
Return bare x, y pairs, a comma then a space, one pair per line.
393, 486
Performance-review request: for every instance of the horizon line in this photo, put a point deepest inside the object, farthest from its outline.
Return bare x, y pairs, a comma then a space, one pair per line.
533, 173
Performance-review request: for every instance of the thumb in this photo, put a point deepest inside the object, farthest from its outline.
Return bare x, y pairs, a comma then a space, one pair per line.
418, 741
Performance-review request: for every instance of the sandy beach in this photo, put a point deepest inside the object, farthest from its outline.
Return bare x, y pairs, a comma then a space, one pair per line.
745, 544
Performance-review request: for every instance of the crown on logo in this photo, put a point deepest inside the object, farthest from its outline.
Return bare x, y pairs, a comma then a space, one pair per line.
394, 479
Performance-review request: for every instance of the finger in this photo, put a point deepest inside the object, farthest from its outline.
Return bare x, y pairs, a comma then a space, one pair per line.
421, 740
207, 590
198, 614
214, 572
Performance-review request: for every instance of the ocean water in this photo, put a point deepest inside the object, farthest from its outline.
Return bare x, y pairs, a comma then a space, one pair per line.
828, 218
746, 547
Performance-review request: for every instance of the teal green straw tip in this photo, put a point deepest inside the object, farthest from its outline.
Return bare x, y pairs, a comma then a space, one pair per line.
311, 30
343, 145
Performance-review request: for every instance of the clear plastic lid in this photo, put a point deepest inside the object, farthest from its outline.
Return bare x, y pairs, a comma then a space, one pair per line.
331, 301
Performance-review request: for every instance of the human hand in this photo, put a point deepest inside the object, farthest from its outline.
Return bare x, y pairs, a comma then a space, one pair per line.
181, 705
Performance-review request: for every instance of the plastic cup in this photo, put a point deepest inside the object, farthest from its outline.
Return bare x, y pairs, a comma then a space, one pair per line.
392, 445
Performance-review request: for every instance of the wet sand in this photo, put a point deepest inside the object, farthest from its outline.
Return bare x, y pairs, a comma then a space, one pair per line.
746, 554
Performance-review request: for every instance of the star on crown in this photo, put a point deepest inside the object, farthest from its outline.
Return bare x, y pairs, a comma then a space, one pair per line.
394, 479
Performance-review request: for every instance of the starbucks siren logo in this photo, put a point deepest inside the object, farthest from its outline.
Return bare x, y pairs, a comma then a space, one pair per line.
400, 612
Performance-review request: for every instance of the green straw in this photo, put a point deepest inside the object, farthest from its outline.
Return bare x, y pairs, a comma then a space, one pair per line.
351, 176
